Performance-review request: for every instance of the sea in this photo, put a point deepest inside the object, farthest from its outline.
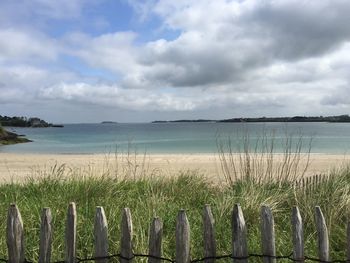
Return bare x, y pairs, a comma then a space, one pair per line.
184, 138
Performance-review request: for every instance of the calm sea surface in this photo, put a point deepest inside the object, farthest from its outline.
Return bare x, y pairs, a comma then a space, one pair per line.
331, 138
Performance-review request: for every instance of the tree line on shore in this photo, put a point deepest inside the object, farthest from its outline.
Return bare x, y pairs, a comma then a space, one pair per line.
25, 122
338, 118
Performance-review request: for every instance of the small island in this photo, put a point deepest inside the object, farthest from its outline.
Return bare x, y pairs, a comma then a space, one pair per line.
109, 122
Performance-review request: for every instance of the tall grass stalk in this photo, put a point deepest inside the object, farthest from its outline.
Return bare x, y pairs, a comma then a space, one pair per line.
259, 162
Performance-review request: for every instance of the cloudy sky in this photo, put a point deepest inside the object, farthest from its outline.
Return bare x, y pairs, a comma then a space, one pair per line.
141, 60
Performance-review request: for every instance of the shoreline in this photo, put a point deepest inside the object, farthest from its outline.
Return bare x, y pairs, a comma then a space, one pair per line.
18, 167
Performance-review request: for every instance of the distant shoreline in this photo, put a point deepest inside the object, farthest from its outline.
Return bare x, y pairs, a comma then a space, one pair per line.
338, 118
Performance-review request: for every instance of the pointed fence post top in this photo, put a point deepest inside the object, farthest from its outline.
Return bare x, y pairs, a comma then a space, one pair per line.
239, 235
237, 213
126, 236
266, 211
322, 234
182, 214
155, 240
209, 235
126, 219
101, 235
15, 235
182, 238
298, 235
72, 210
100, 217
45, 236
267, 235
14, 214
71, 233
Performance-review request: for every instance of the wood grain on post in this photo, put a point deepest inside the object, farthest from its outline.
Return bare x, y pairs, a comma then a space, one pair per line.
101, 235
71, 233
15, 235
182, 238
126, 237
298, 235
348, 242
155, 240
45, 236
322, 234
267, 235
209, 235
239, 235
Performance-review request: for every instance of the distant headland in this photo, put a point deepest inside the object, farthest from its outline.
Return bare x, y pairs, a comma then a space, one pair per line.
32, 122
338, 118
7, 137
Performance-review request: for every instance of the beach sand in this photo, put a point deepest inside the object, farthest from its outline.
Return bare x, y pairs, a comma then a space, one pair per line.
18, 167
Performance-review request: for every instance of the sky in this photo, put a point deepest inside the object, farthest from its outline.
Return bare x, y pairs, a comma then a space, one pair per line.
75, 61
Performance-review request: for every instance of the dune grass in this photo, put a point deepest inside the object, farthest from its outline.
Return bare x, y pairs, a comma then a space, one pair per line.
148, 197
258, 160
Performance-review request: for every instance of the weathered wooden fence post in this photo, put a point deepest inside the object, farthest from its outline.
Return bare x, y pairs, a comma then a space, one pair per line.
101, 235
71, 233
155, 240
182, 238
209, 235
239, 235
45, 236
268, 235
298, 235
348, 241
322, 234
126, 237
15, 235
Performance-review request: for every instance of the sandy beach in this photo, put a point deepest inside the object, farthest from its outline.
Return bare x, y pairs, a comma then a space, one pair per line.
18, 167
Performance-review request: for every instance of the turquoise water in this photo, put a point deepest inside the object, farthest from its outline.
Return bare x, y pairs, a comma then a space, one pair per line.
176, 137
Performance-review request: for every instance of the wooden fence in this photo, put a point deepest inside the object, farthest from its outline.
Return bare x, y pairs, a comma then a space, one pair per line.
15, 236
311, 183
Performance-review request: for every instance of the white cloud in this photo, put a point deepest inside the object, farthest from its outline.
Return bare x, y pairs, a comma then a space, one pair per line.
114, 96
252, 56
114, 51
223, 46
16, 45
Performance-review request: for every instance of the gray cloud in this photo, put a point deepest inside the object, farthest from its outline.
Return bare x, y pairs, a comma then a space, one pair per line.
301, 28
232, 41
243, 57
339, 97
